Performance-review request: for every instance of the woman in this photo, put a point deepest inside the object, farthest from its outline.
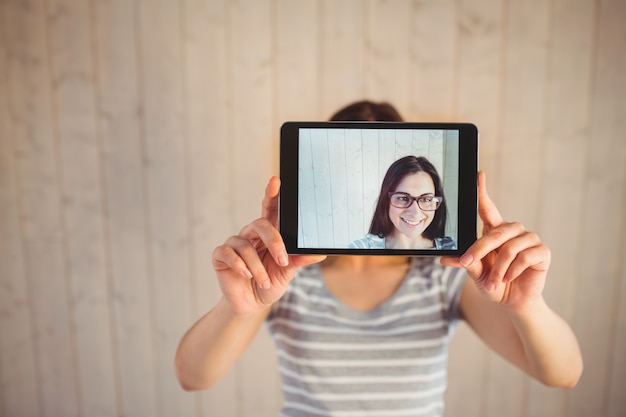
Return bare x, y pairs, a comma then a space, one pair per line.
411, 209
368, 335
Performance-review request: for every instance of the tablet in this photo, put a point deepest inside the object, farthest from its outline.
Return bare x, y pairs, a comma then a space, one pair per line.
378, 188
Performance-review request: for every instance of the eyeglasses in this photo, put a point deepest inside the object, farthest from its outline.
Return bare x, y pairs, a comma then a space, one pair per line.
424, 202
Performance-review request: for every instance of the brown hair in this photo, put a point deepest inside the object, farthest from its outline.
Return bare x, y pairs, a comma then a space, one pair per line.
367, 111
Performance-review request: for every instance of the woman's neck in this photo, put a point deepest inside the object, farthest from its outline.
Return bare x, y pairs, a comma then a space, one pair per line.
359, 263
364, 282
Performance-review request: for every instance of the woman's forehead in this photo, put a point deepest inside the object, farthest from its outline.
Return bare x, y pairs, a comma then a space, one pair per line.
416, 184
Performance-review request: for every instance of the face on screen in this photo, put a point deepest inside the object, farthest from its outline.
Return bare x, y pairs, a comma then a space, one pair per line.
410, 213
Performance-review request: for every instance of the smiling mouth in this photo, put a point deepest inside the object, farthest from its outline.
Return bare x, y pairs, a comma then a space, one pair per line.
411, 223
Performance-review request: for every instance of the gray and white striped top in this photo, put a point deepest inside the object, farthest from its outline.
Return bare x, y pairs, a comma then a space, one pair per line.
390, 361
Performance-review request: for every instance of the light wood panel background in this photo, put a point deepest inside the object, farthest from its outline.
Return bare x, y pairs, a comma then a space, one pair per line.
126, 126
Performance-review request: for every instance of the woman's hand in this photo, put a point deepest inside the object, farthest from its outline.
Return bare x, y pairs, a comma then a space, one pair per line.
253, 267
508, 263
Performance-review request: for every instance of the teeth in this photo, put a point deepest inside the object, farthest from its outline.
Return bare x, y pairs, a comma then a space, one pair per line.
411, 223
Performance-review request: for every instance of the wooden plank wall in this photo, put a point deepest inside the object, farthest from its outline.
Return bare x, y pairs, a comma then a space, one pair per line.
135, 136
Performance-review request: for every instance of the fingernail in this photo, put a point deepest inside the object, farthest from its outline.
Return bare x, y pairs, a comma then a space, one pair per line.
246, 273
490, 286
466, 259
283, 259
266, 285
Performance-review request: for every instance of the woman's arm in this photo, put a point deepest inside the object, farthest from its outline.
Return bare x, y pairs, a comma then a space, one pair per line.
536, 339
213, 344
253, 271
503, 300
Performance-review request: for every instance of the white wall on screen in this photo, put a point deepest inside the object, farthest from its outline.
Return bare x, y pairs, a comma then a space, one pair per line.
341, 171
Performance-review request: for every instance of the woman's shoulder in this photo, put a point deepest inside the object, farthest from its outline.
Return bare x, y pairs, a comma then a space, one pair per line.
369, 241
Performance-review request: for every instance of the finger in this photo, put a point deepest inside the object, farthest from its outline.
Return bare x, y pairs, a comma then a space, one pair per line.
451, 261
262, 229
490, 242
474, 270
480, 258
474, 267
536, 258
269, 205
510, 258
248, 254
487, 210
225, 257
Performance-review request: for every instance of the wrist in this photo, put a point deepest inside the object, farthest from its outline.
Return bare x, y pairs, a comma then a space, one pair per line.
530, 310
550, 347
231, 311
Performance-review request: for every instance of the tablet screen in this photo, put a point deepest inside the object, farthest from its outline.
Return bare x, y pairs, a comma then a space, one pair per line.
378, 188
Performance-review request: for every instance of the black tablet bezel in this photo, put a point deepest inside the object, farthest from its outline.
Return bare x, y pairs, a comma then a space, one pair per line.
467, 187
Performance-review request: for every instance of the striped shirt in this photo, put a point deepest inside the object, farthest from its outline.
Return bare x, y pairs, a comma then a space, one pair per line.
386, 362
